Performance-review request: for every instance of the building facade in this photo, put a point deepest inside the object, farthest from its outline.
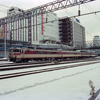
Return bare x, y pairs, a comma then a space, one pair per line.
72, 33
79, 40
31, 28
65, 31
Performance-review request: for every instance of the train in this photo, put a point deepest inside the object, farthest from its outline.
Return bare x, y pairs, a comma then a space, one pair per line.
26, 54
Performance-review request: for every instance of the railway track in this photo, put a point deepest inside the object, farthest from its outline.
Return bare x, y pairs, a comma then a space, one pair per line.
17, 74
14, 66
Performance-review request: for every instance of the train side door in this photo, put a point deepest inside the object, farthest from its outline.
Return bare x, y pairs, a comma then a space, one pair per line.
22, 53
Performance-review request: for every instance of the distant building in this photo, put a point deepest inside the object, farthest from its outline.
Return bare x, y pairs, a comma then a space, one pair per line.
96, 41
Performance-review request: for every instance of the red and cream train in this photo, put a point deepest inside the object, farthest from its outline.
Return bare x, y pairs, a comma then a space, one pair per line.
26, 54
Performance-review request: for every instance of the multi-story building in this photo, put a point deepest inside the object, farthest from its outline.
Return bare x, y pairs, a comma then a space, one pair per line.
65, 31
32, 29
79, 40
72, 32
28, 28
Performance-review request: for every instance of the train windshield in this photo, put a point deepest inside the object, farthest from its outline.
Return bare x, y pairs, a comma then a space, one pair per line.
16, 50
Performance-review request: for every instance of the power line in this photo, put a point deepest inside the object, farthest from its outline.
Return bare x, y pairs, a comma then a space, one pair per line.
3, 11
85, 14
90, 9
93, 10
89, 34
4, 6
67, 12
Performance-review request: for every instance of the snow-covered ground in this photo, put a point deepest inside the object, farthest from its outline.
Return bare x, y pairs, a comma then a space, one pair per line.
65, 84
4, 62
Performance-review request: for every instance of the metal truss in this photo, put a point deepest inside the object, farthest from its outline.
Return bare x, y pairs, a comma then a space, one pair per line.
49, 7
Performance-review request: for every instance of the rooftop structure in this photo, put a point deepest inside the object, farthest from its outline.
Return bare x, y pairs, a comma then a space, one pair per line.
14, 10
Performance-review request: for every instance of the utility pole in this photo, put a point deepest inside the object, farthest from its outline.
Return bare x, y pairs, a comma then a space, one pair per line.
10, 39
5, 43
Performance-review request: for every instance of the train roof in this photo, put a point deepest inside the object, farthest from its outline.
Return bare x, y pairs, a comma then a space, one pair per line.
25, 48
48, 50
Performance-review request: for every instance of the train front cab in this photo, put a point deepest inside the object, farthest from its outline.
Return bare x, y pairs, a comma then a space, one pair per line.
15, 54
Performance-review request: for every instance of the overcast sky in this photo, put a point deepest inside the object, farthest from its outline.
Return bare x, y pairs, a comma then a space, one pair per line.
90, 22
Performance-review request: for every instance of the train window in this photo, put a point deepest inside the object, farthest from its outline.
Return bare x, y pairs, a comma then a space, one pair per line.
16, 50
54, 52
37, 52
41, 52
45, 52
51, 52
33, 52
48, 52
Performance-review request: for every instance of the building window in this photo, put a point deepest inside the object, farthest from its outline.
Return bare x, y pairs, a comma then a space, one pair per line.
41, 52
11, 9
37, 52
45, 52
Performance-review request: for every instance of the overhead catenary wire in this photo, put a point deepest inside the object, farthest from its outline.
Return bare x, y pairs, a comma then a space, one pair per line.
93, 10
90, 9
3, 11
88, 33
67, 12
4, 6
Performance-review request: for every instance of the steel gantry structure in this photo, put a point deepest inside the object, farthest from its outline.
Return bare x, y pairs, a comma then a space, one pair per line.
21, 26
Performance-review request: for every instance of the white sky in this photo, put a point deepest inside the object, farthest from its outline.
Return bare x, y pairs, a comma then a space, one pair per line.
90, 22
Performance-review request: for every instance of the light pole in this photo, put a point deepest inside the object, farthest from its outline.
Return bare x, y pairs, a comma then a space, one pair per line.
5, 45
